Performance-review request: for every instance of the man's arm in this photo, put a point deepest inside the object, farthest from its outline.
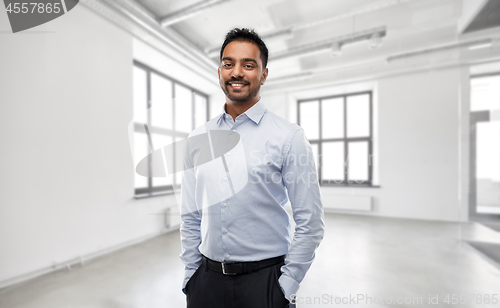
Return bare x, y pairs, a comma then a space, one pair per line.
301, 181
190, 227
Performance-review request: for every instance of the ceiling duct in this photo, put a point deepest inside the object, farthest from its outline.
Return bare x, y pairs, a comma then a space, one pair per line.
190, 11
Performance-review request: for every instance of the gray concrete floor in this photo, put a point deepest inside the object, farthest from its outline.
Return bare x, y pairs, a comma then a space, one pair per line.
380, 258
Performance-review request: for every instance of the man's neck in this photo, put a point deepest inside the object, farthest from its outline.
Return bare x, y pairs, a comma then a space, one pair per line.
237, 108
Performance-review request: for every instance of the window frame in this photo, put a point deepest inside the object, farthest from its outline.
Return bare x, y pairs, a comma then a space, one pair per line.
150, 190
345, 181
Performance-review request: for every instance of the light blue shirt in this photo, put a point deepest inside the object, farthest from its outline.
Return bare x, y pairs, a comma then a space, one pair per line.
232, 207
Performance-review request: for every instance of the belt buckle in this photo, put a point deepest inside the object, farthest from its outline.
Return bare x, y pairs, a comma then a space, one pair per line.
224, 270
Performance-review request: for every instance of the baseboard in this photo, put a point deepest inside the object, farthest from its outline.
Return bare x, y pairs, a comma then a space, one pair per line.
79, 260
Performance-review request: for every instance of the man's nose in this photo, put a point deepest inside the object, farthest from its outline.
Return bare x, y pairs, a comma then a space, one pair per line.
237, 72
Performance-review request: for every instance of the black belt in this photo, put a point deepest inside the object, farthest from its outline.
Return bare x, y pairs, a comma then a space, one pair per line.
234, 268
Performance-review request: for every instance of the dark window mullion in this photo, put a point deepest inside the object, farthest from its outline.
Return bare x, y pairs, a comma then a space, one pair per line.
207, 103
320, 123
193, 111
174, 178
346, 154
342, 139
148, 101
370, 142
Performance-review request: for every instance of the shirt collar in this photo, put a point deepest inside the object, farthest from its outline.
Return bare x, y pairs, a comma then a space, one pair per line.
255, 113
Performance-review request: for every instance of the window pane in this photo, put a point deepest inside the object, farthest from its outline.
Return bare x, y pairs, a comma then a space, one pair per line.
357, 169
488, 167
183, 109
140, 95
159, 141
358, 116
141, 150
309, 117
485, 93
316, 157
178, 175
332, 167
200, 116
161, 102
332, 118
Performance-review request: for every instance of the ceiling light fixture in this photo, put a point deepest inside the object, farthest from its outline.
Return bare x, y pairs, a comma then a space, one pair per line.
336, 49
481, 46
375, 41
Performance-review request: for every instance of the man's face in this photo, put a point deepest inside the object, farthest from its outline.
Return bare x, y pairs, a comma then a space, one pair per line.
241, 72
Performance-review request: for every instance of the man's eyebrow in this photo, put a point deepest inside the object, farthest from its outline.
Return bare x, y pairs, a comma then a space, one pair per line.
244, 59
250, 60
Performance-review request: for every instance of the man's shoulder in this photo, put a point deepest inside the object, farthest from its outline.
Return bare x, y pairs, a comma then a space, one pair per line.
281, 123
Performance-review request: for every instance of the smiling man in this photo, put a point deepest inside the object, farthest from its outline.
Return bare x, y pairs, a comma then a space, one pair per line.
239, 251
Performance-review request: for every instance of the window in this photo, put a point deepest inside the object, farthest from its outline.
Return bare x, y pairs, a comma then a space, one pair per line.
339, 129
165, 111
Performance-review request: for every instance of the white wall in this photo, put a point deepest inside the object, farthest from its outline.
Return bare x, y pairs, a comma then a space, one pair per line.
67, 174
418, 144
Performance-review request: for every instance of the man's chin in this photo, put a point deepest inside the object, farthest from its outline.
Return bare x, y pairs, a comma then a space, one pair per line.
237, 99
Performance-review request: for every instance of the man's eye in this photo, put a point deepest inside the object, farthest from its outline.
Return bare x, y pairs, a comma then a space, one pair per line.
249, 66
227, 64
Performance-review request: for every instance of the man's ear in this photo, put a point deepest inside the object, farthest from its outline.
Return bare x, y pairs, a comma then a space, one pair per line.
218, 71
264, 76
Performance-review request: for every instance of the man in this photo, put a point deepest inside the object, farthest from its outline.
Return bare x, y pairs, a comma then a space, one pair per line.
235, 232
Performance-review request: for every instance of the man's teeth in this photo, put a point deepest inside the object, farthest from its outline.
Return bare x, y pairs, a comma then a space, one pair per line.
237, 84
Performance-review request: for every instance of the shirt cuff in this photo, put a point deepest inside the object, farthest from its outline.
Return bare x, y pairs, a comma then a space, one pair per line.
289, 286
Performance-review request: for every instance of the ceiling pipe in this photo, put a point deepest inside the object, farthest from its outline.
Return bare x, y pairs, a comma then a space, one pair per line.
471, 44
327, 44
289, 78
190, 11
143, 17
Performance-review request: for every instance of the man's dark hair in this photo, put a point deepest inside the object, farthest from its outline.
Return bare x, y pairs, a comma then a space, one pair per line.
246, 35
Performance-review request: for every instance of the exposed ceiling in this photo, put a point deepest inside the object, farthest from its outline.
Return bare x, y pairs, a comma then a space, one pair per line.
300, 34
488, 17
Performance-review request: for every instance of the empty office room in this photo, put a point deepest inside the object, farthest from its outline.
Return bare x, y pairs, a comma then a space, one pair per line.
229, 153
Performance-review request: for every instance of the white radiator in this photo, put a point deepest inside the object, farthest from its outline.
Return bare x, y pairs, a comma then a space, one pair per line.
347, 202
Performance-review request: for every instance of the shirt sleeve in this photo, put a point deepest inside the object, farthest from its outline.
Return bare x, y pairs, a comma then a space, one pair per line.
301, 181
190, 226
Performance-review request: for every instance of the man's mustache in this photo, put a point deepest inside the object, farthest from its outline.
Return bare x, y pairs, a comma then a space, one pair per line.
237, 80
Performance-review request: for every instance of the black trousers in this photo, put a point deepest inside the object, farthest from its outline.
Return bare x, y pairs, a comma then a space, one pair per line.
260, 289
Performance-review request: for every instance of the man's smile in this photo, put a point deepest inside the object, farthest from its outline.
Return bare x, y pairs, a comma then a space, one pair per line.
237, 85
